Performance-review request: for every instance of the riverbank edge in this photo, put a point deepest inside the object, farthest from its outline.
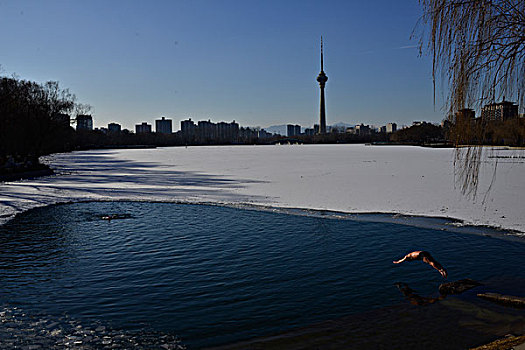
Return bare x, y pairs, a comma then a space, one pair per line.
508, 342
26, 171
422, 221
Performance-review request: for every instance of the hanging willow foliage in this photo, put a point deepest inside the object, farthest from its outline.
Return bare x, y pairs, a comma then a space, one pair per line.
478, 51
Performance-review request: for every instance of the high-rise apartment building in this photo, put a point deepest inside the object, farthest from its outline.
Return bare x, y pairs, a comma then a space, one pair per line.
84, 122
499, 111
391, 127
114, 127
143, 128
163, 126
293, 130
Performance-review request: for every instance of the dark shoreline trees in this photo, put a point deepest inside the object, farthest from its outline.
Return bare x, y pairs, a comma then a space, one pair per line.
34, 120
424, 133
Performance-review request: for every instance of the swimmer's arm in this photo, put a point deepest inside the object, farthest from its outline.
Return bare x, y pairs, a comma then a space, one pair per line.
400, 260
409, 256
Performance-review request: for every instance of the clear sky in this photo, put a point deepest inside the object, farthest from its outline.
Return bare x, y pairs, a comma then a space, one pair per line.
250, 61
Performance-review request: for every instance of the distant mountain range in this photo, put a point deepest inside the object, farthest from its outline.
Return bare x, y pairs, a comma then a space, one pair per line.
281, 129
277, 129
342, 125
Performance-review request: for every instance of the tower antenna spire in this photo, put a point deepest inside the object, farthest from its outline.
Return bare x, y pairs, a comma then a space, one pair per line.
321, 53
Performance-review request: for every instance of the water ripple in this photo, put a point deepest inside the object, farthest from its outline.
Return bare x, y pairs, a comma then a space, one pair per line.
215, 274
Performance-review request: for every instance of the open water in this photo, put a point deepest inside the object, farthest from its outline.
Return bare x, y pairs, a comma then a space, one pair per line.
217, 275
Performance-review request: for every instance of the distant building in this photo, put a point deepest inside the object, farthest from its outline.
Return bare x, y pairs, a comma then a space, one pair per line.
163, 126
248, 134
336, 129
293, 130
290, 130
391, 127
84, 122
207, 130
445, 123
62, 119
187, 127
228, 132
263, 134
465, 115
114, 127
362, 130
499, 111
316, 128
309, 132
143, 128
382, 129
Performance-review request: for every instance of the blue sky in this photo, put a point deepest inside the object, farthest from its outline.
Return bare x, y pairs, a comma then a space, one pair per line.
250, 61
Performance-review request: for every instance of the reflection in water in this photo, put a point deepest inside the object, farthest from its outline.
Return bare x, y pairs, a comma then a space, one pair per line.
414, 298
216, 275
456, 287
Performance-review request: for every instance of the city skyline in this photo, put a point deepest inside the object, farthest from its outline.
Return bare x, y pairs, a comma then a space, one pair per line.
280, 129
251, 62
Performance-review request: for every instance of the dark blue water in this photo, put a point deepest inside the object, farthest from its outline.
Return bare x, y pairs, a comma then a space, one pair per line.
216, 275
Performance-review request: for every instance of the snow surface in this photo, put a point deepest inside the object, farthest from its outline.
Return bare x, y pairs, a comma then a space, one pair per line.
347, 178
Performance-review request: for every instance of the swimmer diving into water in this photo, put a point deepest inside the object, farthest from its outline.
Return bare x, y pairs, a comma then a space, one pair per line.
426, 257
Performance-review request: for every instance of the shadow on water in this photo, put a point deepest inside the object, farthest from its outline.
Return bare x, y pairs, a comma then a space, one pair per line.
433, 322
414, 298
451, 324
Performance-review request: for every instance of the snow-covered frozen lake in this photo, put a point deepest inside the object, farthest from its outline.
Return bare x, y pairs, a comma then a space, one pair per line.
347, 178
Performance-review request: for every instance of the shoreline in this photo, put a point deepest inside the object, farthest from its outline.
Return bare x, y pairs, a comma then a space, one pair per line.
353, 180
37, 172
423, 221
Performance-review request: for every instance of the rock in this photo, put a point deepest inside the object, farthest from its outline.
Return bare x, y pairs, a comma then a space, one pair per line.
508, 300
508, 342
33, 347
100, 329
52, 325
55, 332
458, 287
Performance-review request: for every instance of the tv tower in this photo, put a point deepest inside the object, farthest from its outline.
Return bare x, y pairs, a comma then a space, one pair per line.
322, 78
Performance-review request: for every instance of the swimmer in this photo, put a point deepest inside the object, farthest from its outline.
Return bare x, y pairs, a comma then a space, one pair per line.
426, 257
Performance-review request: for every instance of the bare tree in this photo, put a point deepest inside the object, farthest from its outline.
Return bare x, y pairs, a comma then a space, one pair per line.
478, 51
